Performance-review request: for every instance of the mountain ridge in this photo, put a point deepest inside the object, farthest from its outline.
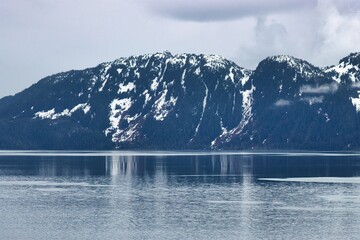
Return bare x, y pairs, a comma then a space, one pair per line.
188, 101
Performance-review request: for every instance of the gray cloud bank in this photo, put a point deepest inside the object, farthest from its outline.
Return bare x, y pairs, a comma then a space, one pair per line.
215, 10
42, 37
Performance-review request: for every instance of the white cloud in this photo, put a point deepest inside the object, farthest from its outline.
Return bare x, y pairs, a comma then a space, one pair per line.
42, 37
313, 100
269, 39
321, 89
321, 35
338, 29
282, 103
355, 85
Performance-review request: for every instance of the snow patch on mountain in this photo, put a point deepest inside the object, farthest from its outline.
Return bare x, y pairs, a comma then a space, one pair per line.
194, 60
136, 73
356, 101
214, 62
183, 80
123, 88
119, 71
104, 76
344, 69
45, 114
247, 105
231, 75
202, 112
178, 60
85, 107
245, 79
291, 61
117, 108
147, 97
129, 133
162, 107
197, 71
126, 135
51, 114
154, 84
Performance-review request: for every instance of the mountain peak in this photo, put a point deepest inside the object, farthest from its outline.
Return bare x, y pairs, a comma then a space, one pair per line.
282, 58
348, 69
210, 62
290, 60
164, 54
352, 58
215, 62
296, 66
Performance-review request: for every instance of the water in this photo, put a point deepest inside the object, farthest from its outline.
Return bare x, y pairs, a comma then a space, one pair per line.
179, 196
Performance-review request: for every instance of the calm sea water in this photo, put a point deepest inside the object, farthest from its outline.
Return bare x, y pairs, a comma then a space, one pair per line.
179, 196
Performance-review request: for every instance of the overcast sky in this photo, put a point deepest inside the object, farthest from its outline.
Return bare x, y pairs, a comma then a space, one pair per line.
43, 37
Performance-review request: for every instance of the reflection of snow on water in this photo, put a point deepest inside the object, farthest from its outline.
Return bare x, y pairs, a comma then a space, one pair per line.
116, 165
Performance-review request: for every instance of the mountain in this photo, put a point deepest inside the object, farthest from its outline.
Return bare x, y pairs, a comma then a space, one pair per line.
299, 106
188, 101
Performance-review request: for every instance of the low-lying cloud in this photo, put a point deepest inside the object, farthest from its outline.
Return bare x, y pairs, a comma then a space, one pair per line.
355, 85
321, 89
313, 100
282, 103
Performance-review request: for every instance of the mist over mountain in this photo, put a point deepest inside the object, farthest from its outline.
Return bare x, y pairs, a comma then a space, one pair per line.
172, 102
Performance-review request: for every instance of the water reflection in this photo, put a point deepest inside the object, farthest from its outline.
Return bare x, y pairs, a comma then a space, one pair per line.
198, 165
116, 165
179, 197
249, 166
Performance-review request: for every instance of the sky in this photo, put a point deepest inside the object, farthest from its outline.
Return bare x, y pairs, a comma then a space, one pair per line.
42, 37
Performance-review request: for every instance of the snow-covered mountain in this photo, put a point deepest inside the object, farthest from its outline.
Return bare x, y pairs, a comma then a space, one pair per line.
188, 101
